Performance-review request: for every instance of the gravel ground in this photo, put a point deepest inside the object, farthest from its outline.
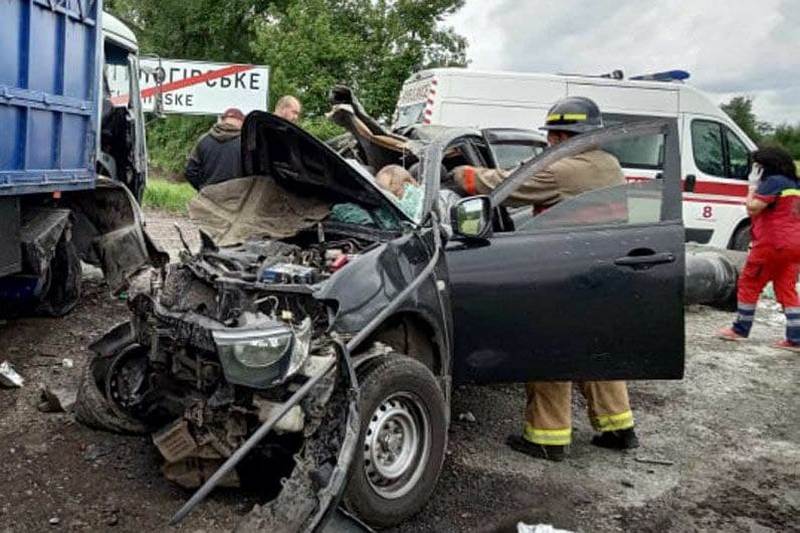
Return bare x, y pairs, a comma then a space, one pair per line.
729, 431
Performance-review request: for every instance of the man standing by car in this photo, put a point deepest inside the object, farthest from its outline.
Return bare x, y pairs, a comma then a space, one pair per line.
548, 428
217, 155
289, 108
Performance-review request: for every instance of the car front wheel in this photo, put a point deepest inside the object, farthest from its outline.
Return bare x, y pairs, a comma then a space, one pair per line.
403, 439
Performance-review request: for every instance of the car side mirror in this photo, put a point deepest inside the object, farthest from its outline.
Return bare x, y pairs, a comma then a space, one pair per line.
471, 217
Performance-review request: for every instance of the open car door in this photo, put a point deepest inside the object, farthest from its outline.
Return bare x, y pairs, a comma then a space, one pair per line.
592, 289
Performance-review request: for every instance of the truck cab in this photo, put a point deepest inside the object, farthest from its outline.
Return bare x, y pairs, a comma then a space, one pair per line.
72, 159
122, 153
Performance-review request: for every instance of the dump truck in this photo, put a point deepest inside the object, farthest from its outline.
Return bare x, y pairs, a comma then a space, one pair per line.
72, 163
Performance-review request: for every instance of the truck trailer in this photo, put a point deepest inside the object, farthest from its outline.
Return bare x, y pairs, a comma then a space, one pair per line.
72, 165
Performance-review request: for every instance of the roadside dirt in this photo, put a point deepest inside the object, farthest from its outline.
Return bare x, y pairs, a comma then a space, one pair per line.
731, 430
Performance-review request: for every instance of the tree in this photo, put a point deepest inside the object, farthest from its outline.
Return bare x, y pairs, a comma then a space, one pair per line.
370, 45
208, 30
310, 45
740, 109
787, 136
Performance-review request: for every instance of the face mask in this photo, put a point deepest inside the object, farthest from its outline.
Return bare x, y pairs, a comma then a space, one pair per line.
755, 174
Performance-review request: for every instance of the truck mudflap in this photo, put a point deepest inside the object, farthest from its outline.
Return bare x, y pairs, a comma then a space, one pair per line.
109, 232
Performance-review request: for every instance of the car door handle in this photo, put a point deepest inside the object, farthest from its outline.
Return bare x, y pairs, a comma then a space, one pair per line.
643, 261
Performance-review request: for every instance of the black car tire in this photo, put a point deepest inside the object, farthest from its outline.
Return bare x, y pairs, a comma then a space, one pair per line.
397, 393
741, 239
93, 409
64, 285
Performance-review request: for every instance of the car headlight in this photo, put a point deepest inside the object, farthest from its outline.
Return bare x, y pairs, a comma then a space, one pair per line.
264, 356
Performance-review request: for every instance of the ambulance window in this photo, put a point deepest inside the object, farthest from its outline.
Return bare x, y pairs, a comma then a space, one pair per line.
707, 147
738, 156
646, 152
408, 115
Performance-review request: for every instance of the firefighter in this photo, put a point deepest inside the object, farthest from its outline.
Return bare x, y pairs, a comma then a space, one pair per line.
773, 203
548, 427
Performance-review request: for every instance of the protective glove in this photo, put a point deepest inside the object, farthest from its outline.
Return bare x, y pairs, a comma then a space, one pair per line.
464, 177
754, 178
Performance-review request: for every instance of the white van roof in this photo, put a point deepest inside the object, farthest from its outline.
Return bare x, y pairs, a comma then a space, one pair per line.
613, 95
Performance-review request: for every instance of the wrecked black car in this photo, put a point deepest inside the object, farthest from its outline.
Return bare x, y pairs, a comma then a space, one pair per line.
316, 336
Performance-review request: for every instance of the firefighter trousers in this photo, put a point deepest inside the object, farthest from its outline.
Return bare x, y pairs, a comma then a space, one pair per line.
549, 409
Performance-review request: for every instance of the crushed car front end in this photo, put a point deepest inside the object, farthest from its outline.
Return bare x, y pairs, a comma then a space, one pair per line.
265, 330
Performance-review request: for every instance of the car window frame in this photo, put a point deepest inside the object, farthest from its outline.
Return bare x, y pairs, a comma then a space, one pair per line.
671, 206
605, 226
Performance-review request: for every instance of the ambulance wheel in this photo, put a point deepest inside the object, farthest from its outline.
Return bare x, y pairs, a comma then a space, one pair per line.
64, 281
403, 439
741, 239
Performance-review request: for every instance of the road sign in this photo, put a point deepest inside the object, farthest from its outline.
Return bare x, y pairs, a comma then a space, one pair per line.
195, 87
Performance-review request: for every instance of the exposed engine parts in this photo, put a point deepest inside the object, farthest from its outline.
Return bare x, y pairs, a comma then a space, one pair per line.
217, 342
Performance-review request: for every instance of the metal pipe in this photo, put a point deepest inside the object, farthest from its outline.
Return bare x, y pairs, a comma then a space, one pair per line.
366, 331
711, 276
249, 444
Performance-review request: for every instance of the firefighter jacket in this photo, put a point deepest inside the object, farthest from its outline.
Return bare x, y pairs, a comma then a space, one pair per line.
565, 178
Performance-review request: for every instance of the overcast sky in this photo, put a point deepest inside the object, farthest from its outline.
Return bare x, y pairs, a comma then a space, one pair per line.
730, 47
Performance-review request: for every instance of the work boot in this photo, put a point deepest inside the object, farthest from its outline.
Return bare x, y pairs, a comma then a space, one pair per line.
624, 439
538, 451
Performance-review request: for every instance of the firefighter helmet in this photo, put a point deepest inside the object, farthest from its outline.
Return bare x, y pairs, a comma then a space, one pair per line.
576, 114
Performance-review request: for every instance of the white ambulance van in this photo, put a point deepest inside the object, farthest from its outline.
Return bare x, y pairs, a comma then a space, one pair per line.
715, 152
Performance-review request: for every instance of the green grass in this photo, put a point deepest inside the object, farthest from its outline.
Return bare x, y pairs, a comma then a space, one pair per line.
168, 195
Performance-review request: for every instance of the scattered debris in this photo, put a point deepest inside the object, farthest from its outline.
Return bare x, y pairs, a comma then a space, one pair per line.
51, 350
9, 377
67, 362
467, 417
538, 528
626, 483
94, 452
56, 400
54, 521
651, 461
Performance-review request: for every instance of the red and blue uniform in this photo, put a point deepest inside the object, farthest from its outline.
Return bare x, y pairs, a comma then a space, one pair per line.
774, 255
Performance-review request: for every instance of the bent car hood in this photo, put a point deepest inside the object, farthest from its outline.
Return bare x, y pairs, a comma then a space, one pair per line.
275, 147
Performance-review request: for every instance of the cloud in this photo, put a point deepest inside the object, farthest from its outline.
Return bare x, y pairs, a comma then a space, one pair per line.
730, 47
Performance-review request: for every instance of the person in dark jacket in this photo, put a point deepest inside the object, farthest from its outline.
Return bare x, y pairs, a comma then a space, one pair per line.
217, 155
773, 203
